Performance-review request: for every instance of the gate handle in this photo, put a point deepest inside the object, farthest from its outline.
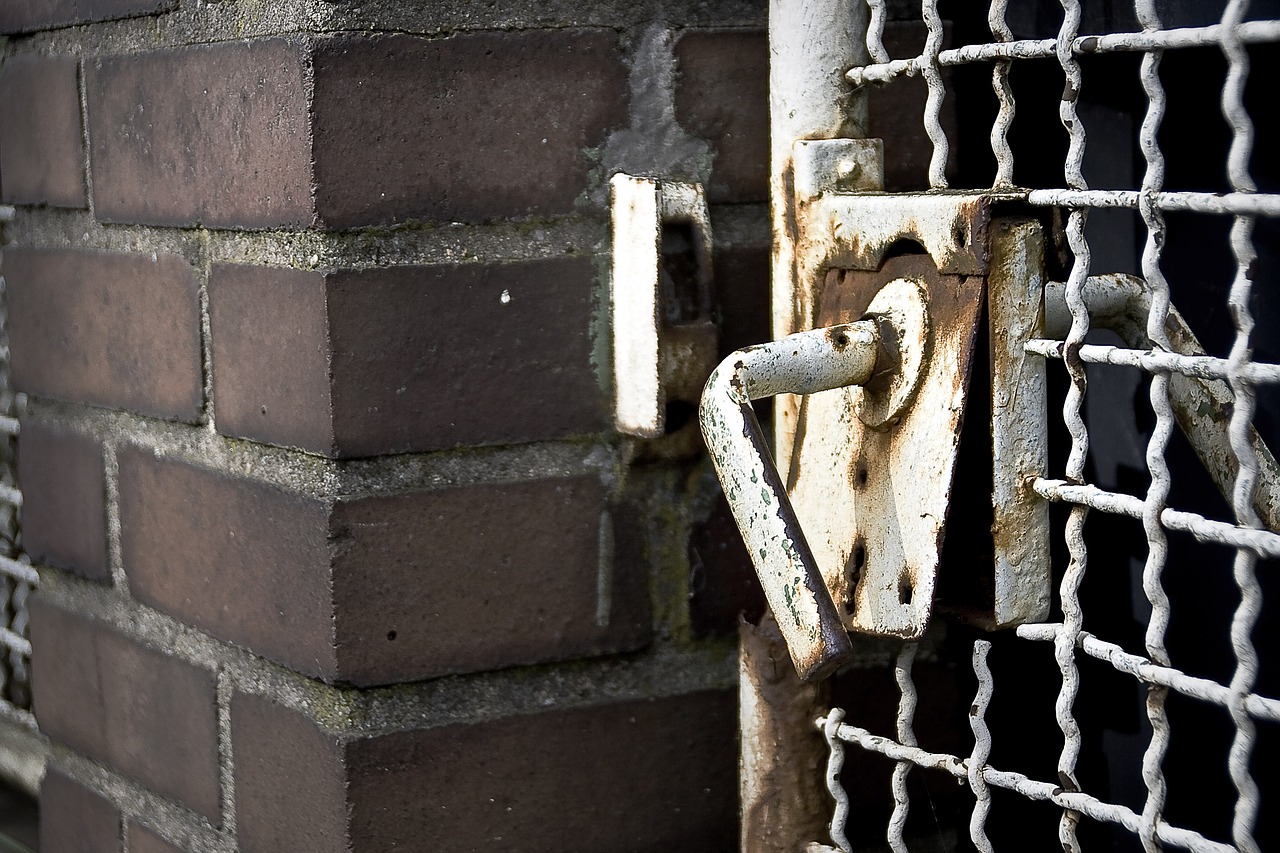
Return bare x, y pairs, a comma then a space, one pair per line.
803, 363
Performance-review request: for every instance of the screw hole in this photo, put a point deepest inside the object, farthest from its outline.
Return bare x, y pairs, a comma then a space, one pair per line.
904, 592
860, 475
391, 635
961, 235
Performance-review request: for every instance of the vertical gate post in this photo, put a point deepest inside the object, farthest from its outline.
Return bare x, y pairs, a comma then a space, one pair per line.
812, 43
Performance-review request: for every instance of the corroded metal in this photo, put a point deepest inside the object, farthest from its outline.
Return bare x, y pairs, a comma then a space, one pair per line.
871, 478
781, 754
1021, 570
654, 359
1201, 400
804, 363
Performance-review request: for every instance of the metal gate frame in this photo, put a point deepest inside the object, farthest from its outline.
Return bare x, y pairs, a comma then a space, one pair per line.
812, 46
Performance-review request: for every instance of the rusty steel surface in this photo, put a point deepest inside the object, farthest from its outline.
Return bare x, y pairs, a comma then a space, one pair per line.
781, 753
1211, 398
1022, 573
871, 472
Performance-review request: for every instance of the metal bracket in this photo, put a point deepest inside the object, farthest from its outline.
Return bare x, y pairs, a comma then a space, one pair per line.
869, 469
664, 343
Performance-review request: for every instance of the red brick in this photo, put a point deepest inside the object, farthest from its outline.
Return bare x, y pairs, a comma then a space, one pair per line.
41, 139
24, 15
477, 578
143, 840
270, 341
74, 819
375, 590
209, 134
290, 780
469, 127
109, 329
723, 582
387, 360
147, 714
63, 499
638, 775
242, 560
722, 95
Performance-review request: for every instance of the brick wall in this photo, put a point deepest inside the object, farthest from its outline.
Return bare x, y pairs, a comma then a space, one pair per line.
338, 549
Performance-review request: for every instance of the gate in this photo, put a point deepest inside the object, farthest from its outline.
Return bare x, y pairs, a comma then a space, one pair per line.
926, 340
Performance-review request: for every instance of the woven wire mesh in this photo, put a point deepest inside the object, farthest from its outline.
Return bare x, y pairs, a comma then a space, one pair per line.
17, 577
1248, 526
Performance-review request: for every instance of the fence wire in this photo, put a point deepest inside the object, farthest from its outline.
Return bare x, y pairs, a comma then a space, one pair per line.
1245, 532
17, 577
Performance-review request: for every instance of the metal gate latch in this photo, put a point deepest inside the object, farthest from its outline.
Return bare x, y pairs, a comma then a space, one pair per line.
846, 531
886, 357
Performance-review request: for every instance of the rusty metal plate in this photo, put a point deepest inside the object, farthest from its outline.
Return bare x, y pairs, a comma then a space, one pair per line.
871, 483
1019, 427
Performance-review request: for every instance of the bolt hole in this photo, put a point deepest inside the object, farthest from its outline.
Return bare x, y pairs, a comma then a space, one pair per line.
961, 236
391, 635
860, 475
904, 592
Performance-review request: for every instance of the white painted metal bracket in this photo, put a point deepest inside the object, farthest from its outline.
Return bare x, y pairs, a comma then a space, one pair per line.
655, 355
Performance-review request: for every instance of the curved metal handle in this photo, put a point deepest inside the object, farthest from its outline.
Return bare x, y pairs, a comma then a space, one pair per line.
803, 363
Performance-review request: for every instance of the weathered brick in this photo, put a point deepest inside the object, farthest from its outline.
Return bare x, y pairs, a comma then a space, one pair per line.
742, 295
290, 780
209, 134
639, 775
151, 716
41, 139
245, 561
374, 590
63, 499
478, 578
116, 330
74, 819
722, 95
723, 583
25, 15
143, 840
386, 360
469, 127
261, 316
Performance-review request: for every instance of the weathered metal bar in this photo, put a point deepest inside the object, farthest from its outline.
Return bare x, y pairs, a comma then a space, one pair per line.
1122, 302
1262, 542
18, 643
1239, 204
1047, 791
784, 809
10, 495
804, 363
811, 44
20, 571
1249, 32
1155, 361
1144, 670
